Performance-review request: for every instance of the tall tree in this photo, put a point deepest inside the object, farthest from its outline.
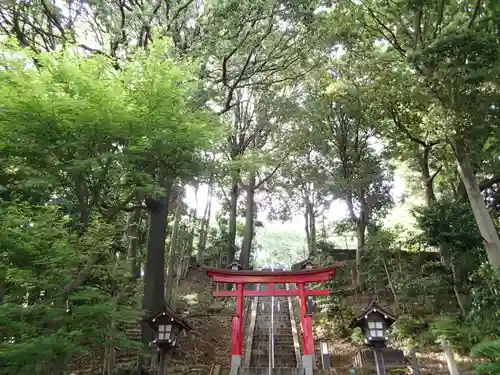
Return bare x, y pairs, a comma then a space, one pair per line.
345, 137
302, 188
454, 49
101, 139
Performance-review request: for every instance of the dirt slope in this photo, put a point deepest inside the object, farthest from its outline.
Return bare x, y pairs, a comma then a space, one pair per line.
210, 340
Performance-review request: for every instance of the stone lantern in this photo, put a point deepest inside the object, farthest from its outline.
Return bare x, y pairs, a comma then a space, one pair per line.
234, 266
374, 321
167, 327
308, 265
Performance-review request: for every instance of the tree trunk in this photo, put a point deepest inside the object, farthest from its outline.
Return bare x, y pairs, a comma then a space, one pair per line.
483, 219
196, 200
389, 281
82, 192
171, 253
233, 213
324, 236
361, 232
306, 228
154, 272
3, 274
450, 359
182, 251
312, 229
109, 348
246, 246
190, 240
205, 222
361, 222
426, 178
455, 290
133, 244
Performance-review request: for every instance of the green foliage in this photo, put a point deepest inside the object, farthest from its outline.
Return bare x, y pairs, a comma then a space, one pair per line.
279, 246
338, 314
450, 224
357, 336
409, 331
450, 328
322, 105
381, 244
485, 303
79, 121
489, 350
90, 141
41, 328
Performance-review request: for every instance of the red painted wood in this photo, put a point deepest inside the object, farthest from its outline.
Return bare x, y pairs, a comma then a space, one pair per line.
270, 287
239, 312
269, 293
275, 277
271, 277
237, 327
303, 310
306, 322
310, 337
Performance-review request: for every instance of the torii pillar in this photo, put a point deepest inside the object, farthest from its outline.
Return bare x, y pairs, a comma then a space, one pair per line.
300, 278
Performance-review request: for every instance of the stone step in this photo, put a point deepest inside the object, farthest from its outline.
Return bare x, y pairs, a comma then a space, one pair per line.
284, 351
274, 371
284, 360
282, 332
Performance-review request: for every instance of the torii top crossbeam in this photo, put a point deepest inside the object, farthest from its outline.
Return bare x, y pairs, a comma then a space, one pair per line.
315, 275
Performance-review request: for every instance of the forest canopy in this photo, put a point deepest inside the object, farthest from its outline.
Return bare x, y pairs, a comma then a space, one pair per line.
270, 111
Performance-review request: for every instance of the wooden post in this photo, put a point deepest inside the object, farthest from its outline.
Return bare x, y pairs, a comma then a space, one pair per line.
240, 308
414, 360
303, 311
379, 359
162, 367
325, 355
306, 325
450, 359
237, 329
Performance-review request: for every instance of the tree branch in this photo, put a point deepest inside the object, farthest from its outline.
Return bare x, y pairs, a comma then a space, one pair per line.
392, 37
474, 15
82, 275
397, 121
265, 179
486, 184
431, 178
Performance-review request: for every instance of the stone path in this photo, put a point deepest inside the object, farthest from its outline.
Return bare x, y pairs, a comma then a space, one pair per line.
284, 352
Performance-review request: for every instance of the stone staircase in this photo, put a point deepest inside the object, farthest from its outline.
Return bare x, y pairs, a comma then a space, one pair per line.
284, 351
259, 357
274, 371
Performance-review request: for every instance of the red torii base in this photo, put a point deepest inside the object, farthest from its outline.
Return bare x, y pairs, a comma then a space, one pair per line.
301, 278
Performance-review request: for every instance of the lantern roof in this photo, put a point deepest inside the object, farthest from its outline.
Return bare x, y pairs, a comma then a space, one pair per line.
306, 263
374, 307
166, 310
234, 263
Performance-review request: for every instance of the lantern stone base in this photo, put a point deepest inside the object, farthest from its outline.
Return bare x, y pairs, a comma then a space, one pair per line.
235, 361
307, 361
365, 358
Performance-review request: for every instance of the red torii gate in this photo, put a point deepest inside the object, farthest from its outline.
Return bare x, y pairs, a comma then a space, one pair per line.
300, 278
